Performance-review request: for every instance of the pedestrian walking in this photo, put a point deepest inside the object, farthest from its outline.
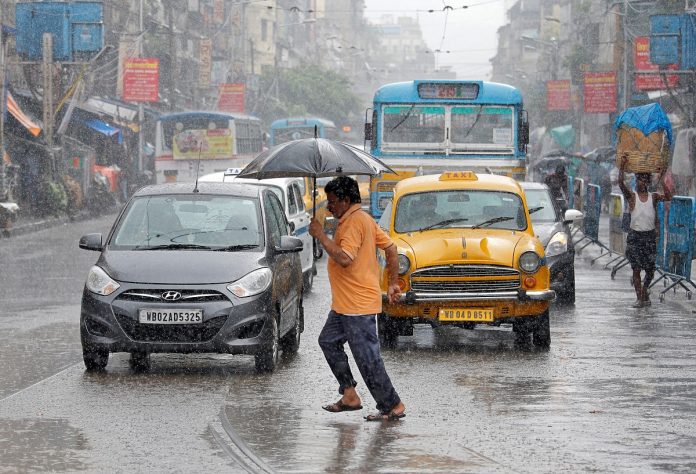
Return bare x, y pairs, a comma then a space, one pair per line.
557, 183
641, 242
356, 299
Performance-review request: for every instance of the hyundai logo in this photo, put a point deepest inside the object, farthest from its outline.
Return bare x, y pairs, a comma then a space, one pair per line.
171, 295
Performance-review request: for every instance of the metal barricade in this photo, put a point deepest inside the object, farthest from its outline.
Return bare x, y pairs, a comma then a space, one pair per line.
570, 193
577, 187
617, 233
679, 245
592, 210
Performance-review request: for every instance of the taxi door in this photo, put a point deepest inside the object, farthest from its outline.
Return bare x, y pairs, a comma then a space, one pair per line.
299, 219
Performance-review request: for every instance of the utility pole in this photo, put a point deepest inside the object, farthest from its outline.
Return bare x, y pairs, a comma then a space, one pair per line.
48, 87
3, 107
625, 55
141, 110
172, 59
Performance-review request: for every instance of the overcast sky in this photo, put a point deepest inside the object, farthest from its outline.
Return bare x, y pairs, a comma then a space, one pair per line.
469, 34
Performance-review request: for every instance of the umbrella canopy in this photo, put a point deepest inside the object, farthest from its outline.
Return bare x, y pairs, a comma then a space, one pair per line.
313, 157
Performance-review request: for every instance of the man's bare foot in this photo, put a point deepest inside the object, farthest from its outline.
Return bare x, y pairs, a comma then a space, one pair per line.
349, 401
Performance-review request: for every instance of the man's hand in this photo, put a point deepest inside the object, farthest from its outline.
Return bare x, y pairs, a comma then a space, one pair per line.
623, 162
315, 229
393, 293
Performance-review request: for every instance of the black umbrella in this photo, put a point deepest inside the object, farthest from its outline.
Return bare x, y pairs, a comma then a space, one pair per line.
314, 158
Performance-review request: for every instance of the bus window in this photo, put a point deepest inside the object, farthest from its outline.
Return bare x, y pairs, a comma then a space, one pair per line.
414, 124
482, 125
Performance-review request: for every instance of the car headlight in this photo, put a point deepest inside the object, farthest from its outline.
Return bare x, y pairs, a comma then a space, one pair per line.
557, 245
252, 283
100, 283
529, 262
404, 264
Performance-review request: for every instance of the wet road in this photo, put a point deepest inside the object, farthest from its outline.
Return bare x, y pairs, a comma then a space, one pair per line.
616, 391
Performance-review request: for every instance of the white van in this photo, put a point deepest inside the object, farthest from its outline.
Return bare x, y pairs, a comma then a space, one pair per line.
289, 192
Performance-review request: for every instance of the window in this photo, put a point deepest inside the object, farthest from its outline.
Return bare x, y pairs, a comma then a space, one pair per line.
292, 201
279, 215
298, 196
272, 222
482, 125
414, 124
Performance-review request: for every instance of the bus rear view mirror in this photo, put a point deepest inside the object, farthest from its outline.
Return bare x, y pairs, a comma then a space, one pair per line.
368, 131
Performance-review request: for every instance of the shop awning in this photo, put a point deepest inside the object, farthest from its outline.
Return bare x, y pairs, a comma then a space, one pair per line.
104, 128
21, 117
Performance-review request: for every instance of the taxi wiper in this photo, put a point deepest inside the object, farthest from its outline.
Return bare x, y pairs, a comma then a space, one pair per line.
535, 209
236, 247
175, 246
495, 220
442, 223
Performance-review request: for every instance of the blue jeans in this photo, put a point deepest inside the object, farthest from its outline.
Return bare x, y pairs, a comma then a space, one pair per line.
360, 332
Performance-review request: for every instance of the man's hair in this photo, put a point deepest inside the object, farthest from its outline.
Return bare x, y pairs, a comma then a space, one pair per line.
344, 187
560, 168
643, 176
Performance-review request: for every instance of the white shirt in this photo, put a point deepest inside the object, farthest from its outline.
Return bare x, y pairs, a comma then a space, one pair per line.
643, 214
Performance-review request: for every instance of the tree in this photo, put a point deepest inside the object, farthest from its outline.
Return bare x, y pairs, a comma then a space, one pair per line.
306, 90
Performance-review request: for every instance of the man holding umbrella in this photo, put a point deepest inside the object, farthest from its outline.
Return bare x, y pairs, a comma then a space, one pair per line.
356, 300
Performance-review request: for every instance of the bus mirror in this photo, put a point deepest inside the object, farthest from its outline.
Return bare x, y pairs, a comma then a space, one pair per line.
368, 131
524, 129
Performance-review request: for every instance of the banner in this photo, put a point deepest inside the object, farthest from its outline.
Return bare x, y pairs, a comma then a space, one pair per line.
641, 61
206, 62
558, 95
231, 98
600, 92
141, 80
206, 144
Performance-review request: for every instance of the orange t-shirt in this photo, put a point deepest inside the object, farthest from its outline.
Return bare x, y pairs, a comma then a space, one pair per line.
355, 288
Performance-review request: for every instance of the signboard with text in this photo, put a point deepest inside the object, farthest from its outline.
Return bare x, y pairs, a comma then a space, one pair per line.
204, 144
231, 98
558, 95
141, 80
641, 61
599, 92
205, 48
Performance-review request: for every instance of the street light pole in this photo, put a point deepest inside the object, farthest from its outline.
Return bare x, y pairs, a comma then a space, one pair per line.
141, 110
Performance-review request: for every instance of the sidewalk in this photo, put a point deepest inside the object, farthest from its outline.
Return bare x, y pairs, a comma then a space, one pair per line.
28, 224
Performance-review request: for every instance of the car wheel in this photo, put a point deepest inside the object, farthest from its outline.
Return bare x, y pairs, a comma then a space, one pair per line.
318, 250
266, 359
541, 331
139, 361
387, 331
291, 341
567, 296
308, 280
95, 357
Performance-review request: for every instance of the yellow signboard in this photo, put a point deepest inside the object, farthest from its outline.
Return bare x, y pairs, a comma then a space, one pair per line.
458, 176
213, 144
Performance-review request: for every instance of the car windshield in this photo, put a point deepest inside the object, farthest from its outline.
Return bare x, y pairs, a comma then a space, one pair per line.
459, 208
540, 199
189, 222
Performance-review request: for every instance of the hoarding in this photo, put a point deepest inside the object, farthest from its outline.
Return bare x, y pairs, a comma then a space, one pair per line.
599, 92
641, 61
558, 95
204, 144
141, 80
231, 98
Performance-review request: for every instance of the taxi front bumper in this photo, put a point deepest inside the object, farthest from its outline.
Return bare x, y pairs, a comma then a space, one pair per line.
412, 297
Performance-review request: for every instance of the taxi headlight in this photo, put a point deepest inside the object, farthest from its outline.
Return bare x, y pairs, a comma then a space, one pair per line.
100, 283
252, 283
557, 245
529, 262
404, 264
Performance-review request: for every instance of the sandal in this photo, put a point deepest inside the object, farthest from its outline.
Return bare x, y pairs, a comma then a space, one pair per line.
339, 406
385, 416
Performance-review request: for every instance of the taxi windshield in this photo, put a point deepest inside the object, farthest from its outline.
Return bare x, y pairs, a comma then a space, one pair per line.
459, 209
204, 222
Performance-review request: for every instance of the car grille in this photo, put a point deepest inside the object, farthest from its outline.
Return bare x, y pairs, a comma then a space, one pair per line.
187, 296
465, 279
179, 333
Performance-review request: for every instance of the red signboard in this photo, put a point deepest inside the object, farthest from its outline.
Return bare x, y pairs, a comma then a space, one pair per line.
231, 98
641, 61
141, 80
600, 92
558, 95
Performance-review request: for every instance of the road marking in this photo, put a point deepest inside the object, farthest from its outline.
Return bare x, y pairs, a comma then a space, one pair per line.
63, 369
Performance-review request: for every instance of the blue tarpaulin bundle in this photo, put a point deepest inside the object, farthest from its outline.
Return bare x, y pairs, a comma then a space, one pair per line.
646, 118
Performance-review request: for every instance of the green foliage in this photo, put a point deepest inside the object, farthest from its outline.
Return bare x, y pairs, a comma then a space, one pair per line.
307, 90
53, 200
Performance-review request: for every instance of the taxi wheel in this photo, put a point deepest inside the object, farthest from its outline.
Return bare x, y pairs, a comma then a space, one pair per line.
541, 332
387, 331
266, 359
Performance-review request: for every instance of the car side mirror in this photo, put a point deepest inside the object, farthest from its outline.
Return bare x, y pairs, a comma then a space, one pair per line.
289, 244
572, 216
91, 242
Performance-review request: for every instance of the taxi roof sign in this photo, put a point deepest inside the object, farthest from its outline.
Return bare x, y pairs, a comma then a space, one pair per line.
458, 176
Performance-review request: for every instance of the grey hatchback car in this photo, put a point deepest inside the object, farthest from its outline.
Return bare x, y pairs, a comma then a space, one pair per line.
183, 269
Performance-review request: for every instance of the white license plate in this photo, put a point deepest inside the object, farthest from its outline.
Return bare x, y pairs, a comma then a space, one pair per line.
171, 316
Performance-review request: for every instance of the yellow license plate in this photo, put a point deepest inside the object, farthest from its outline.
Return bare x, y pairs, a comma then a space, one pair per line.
479, 315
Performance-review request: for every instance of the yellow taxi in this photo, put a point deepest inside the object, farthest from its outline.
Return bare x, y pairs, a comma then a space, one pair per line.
467, 256
321, 213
